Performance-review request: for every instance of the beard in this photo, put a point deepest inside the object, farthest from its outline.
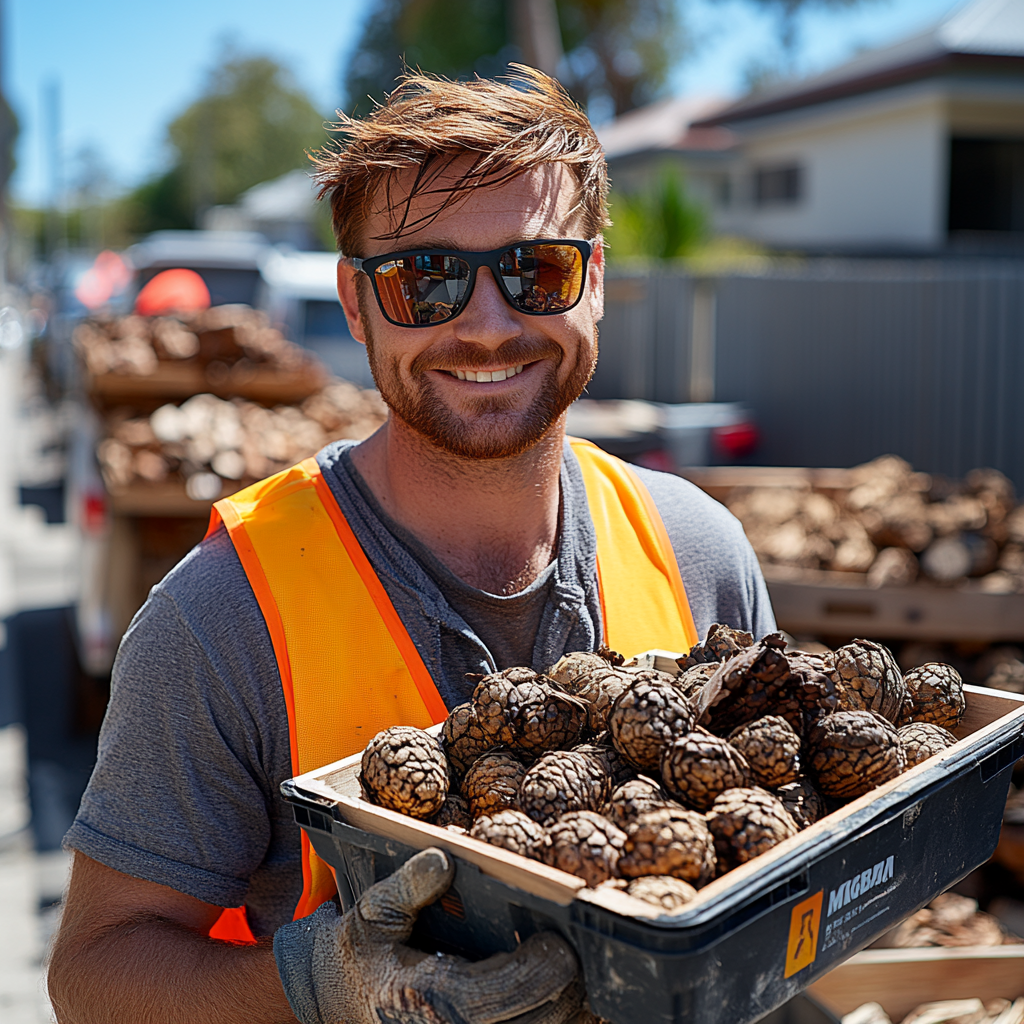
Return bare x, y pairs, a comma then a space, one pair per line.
494, 428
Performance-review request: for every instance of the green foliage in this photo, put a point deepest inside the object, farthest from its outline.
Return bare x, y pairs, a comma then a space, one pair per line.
252, 124
660, 222
617, 51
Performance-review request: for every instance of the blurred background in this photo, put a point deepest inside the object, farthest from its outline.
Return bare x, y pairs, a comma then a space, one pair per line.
815, 311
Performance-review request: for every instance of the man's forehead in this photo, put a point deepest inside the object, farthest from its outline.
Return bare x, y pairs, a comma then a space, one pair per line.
535, 203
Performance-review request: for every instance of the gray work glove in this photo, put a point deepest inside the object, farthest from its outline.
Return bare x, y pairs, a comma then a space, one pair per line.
355, 968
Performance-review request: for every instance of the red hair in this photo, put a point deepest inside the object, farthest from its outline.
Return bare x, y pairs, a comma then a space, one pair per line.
429, 122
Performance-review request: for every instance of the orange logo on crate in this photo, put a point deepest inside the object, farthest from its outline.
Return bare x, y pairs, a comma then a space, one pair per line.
802, 947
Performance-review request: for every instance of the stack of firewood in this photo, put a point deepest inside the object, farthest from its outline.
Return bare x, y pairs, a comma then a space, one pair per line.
949, 920
236, 440
946, 1011
222, 337
894, 525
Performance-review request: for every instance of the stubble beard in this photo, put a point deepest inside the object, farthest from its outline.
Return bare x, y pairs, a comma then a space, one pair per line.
495, 429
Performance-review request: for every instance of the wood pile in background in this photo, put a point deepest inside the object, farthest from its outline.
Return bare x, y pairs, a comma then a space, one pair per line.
235, 440
225, 350
196, 407
892, 524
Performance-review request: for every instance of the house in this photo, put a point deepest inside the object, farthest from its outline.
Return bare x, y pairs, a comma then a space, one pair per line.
913, 148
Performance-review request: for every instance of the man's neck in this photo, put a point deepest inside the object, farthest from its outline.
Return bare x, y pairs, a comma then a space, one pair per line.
493, 522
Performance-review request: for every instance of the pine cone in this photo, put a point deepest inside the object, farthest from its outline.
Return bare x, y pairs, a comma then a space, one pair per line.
669, 841
936, 695
600, 688
633, 798
746, 823
617, 769
771, 749
803, 801
721, 643
650, 714
921, 740
464, 738
492, 783
852, 752
763, 680
584, 844
867, 678
695, 678
662, 890
698, 766
543, 718
511, 830
454, 811
491, 697
571, 670
560, 782
404, 769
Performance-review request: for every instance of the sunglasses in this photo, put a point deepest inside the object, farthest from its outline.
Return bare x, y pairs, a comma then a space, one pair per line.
424, 287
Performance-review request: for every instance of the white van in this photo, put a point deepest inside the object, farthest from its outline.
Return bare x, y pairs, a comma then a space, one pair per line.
300, 291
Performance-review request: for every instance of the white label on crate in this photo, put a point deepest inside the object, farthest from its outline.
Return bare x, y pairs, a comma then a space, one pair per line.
860, 885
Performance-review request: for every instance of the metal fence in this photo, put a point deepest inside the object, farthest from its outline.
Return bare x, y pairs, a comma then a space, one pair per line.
840, 360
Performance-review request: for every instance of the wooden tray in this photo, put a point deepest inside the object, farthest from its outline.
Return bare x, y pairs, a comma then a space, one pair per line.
337, 785
835, 604
174, 381
900, 979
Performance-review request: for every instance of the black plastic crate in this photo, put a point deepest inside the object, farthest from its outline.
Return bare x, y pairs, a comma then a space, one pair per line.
752, 939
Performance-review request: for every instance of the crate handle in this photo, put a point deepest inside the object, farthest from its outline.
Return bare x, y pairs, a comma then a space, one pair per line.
794, 886
1002, 759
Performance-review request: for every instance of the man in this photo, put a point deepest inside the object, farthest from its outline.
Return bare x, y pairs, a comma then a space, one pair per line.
359, 589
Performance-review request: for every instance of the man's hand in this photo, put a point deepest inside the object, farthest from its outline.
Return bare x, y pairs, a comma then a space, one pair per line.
355, 968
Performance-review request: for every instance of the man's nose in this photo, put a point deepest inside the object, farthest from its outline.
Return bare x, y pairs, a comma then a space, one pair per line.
487, 318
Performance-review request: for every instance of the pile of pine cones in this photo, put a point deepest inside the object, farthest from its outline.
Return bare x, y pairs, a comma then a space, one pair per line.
229, 339
236, 440
893, 524
657, 783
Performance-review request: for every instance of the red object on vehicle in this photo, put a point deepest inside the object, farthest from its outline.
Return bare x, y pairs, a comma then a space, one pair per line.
107, 277
735, 440
94, 513
173, 291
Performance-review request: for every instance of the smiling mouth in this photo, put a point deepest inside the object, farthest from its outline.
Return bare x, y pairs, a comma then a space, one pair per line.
486, 376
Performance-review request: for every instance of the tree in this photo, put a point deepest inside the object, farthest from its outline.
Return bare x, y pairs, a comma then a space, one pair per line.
659, 222
251, 124
617, 53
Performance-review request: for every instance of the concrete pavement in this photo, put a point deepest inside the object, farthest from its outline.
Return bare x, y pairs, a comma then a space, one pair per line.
26, 882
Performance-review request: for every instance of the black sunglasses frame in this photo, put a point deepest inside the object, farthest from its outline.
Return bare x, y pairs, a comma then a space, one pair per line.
476, 260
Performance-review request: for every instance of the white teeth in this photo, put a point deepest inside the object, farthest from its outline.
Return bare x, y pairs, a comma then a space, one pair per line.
484, 376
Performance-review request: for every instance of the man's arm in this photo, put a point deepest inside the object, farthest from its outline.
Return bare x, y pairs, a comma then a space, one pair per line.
136, 952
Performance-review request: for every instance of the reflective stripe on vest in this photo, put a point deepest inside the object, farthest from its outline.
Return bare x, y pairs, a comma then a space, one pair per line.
348, 666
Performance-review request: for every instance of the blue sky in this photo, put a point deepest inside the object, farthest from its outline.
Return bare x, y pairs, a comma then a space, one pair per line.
126, 68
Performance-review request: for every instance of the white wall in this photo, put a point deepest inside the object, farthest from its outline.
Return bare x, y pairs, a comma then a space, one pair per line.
874, 173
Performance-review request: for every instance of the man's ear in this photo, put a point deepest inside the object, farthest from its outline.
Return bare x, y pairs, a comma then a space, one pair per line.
595, 273
349, 299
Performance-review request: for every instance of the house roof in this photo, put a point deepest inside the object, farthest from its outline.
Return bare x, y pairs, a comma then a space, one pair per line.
981, 33
665, 125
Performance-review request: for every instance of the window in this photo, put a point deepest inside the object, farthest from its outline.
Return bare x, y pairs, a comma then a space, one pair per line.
986, 185
775, 185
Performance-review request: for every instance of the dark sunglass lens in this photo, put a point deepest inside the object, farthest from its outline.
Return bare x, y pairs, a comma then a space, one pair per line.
543, 278
418, 290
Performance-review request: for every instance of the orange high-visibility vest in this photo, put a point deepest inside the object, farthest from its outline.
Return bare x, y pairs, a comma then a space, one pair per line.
313, 581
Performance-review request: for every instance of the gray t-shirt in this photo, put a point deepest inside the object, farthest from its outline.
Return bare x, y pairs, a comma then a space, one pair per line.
195, 742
